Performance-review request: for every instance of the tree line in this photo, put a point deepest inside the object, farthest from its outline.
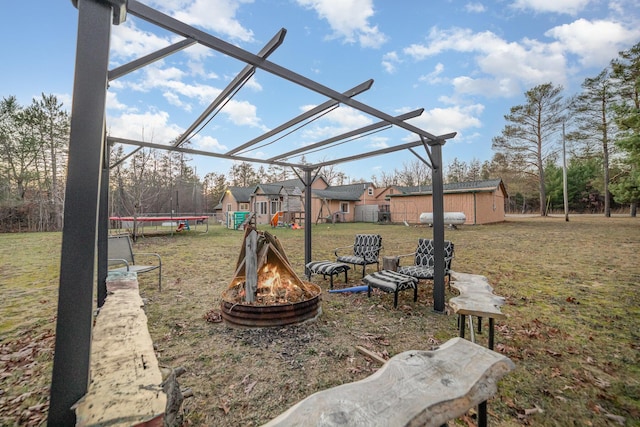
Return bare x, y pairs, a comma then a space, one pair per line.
598, 129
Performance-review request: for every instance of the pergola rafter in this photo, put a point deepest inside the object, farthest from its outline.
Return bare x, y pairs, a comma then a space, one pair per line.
85, 226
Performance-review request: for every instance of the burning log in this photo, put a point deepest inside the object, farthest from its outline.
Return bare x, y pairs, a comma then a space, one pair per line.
268, 276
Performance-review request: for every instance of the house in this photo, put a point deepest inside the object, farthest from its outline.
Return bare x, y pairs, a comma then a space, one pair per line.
236, 204
269, 199
482, 202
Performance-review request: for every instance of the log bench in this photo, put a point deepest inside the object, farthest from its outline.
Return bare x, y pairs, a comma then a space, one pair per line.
425, 388
126, 382
476, 299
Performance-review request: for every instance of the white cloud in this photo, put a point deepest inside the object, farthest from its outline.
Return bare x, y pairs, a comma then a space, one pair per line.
208, 143
439, 121
434, 76
151, 126
379, 142
595, 42
127, 41
243, 113
389, 61
215, 15
475, 7
503, 68
337, 121
113, 103
570, 7
349, 20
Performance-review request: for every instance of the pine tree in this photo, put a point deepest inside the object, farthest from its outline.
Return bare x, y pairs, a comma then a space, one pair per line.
530, 135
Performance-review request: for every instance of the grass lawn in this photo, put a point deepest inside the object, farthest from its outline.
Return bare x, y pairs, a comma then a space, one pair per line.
573, 309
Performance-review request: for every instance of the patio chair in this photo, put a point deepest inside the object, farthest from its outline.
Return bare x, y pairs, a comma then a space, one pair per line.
423, 260
120, 252
365, 250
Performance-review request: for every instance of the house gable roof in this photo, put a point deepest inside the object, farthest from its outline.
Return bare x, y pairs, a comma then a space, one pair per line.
296, 182
268, 189
241, 194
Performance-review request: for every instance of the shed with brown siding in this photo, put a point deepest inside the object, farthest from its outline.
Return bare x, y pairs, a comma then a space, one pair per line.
482, 202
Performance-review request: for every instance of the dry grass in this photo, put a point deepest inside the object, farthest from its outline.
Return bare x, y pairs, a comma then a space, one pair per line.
572, 306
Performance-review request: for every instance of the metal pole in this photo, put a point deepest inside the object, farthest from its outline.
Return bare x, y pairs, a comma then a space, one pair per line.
103, 231
307, 216
70, 377
564, 177
438, 226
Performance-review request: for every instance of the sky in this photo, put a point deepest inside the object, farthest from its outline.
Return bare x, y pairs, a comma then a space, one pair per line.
466, 63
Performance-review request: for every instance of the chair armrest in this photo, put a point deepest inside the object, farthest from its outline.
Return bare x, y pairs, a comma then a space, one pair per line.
447, 262
149, 254
412, 254
118, 261
335, 251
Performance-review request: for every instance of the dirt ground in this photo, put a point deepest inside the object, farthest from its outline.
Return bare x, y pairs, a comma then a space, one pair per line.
572, 307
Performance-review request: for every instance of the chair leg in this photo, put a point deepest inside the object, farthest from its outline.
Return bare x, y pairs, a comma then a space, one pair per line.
415, 293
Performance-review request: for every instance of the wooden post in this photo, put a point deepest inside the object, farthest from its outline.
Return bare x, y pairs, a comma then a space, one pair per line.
390, 263
251, 266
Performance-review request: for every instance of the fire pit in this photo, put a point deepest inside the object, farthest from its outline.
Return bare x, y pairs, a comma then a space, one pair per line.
265, 291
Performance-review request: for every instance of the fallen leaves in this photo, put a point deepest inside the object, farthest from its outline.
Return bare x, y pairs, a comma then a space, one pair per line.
213, 316
19, 365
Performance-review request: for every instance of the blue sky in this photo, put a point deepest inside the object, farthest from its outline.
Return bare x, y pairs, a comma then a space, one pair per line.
465, 62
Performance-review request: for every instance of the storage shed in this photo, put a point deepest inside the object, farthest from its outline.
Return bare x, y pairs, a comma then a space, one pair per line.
482, 202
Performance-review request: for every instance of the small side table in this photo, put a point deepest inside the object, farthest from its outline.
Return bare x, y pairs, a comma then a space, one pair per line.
476, 299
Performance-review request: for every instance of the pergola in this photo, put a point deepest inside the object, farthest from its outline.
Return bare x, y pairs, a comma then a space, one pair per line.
85, 231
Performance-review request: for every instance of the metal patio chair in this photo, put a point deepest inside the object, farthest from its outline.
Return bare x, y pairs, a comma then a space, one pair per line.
120, 252
366, 250
424, 258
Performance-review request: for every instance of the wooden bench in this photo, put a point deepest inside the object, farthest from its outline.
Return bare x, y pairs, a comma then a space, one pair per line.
327, 268
476, 299
425, 388
127, 387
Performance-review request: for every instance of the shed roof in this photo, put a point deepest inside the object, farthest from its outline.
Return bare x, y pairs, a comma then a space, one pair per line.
456, 187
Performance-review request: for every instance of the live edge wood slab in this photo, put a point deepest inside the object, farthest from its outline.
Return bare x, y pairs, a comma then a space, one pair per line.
125, 387
414, 388
476, 296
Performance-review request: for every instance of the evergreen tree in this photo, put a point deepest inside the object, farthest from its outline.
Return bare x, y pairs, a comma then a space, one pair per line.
594, 127
626, 71
529, 138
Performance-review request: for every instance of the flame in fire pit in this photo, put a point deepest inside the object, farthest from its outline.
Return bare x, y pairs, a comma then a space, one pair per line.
277, 283
280, 297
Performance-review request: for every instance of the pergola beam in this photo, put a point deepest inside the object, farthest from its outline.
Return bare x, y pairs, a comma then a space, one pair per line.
242, 77
304, 116
148, 59
380, 152
116, 140
164, 21
355, 132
